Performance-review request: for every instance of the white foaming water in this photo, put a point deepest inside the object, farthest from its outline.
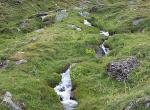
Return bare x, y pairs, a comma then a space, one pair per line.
106, 34
106, 50
64, 91
87, 23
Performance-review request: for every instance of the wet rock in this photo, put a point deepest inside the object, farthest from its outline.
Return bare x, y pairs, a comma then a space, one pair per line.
137, 21
99, 52
7, 100
87, 23
120, 70
93, 9
21, 62
84, 14
61, 15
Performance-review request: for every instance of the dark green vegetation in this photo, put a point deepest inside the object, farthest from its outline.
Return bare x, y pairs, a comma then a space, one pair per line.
58, 46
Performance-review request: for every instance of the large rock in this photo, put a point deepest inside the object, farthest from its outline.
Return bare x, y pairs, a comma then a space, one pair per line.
7, 101
121, 69
143, 101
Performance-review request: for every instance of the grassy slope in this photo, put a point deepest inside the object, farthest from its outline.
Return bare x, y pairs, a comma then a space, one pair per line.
58, 45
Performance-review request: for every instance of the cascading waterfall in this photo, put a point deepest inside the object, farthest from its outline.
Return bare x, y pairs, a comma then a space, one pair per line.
105, 50
64, 91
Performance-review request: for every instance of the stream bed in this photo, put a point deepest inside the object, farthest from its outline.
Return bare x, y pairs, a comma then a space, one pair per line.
64, 90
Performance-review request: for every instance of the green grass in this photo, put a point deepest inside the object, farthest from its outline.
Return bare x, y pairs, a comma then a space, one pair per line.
58, 46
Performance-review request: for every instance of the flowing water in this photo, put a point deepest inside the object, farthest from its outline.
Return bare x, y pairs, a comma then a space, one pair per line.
64, 91
106, 50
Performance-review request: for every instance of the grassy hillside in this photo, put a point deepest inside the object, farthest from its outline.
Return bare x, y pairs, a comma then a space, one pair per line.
58, 45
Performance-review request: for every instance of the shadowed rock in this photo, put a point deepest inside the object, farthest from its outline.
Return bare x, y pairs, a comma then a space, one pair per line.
4, 63
120, 70
99, 52
93, 9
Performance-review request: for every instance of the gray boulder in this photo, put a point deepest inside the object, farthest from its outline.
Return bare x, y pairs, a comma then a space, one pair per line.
120, 70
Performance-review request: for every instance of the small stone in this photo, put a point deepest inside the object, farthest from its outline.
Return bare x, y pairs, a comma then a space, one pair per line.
93, 9
84, 14
74, 27
21, 62
34, 39
78, 29
61, 15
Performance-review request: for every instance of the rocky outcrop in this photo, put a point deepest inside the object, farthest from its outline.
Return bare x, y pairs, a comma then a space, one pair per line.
143, 102
120, 70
